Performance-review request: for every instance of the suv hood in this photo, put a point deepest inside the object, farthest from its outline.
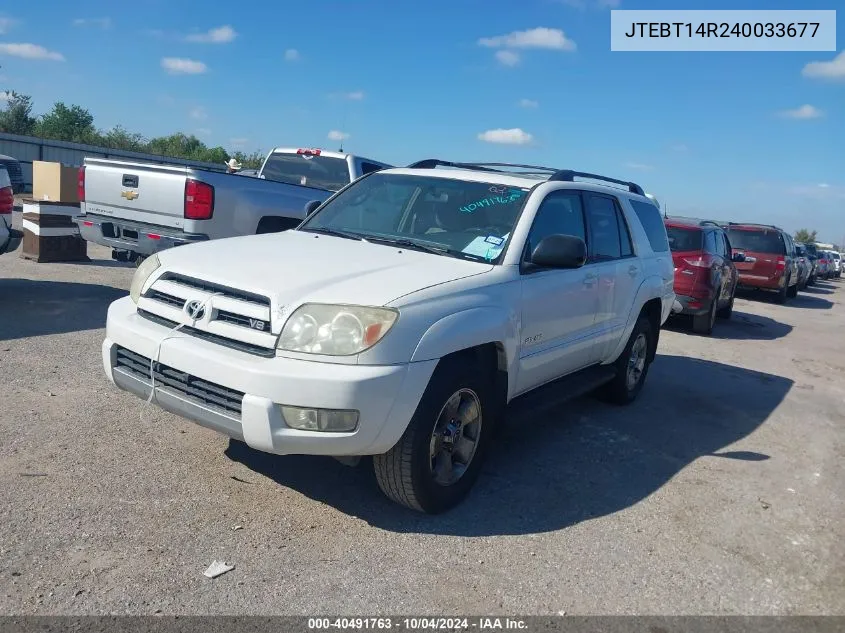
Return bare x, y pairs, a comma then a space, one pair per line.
299, 267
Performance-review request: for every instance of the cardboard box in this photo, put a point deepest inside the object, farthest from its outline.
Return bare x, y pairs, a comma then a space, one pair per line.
53, 182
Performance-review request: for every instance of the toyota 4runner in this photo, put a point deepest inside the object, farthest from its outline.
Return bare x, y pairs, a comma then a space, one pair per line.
402, 316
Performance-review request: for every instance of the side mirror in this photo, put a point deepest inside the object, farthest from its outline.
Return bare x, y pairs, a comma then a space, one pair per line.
312, 206
560, 251
738, 257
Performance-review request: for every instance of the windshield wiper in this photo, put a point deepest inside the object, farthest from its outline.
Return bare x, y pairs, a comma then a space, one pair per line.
335, 232
421, 246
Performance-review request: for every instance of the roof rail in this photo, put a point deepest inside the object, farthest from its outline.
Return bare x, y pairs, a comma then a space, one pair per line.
567, 175
431, 163
766, 226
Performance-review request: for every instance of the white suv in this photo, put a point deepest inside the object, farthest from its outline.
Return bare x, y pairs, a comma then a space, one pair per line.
402, 316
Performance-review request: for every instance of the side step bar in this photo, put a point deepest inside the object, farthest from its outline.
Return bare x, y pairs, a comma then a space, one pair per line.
560, 391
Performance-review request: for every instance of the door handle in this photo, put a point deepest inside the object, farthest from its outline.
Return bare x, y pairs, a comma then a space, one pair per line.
633, 270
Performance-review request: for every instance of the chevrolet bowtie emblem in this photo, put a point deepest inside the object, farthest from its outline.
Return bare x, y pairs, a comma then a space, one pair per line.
130, 195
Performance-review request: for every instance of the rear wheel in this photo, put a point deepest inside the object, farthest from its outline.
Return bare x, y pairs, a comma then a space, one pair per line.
437, 460
727, 311
783, 293
631, 366
703, 323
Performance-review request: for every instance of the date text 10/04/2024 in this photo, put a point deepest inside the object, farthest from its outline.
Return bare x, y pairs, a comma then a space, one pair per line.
722, 29
419, 624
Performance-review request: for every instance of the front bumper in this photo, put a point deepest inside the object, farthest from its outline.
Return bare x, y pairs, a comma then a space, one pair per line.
385, 396
125, 235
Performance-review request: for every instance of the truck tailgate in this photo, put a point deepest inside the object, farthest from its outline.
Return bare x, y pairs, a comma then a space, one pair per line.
139, 192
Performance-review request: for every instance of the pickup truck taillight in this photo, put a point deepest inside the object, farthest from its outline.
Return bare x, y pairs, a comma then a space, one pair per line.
80, 184
199, 200
7, 200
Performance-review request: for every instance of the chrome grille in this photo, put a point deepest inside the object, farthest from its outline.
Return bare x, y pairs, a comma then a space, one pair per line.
200, 391
208, 336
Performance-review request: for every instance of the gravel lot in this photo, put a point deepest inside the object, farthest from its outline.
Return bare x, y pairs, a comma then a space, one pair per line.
720, 491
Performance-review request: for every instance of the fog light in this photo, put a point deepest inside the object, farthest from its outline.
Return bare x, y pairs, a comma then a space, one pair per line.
326, 420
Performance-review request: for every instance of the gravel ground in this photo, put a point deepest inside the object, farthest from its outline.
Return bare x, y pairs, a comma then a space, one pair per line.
720, 491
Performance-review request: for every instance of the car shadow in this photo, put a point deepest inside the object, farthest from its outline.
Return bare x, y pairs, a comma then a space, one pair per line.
800, 301
741, 326
30, 307
575, 463
818, 290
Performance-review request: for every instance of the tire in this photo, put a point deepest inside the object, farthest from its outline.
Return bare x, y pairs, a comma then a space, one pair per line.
792, 291
407, 474
619, 391
727, 311
812, 280
703, 323
783, 293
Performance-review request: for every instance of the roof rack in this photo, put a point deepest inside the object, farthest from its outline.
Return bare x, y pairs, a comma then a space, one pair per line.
431, 163
697, 221
567, 175
765, 226
559, 175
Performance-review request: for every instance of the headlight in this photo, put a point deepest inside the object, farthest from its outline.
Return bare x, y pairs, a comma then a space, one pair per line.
147, 268
335, 330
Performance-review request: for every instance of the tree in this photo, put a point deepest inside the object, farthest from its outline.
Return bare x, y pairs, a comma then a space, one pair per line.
72, 123
805, 236
249, 161
16, 117
119, 138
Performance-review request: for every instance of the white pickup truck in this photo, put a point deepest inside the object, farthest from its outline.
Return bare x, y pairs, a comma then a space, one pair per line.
402, 317
141, 208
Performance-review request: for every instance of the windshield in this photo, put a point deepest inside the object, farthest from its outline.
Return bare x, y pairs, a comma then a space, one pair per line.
759, 240
681, 239
321, 172
470, 220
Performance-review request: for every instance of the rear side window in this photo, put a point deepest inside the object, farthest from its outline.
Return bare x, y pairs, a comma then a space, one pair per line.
604, 229
683, 239
759, 240
649, 216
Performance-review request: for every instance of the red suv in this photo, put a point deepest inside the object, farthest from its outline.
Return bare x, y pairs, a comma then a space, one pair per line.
705, 273
770, 261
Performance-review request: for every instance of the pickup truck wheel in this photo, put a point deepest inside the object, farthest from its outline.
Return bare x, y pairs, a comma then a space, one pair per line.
438, 458
631, 366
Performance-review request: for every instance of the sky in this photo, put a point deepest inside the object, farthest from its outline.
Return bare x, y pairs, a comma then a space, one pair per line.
732, 136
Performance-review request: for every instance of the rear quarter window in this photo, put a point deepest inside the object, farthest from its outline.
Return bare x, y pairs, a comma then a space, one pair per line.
655, 230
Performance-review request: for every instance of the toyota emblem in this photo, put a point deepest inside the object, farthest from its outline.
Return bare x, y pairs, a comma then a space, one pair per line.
194, 309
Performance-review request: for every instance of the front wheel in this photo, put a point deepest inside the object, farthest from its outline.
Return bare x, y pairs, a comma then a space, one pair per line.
435, 463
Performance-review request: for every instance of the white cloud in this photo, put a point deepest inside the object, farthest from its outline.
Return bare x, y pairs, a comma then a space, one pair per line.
238, 141
822, 192
6, 24
220, 35
805, 111
833, 70
679, 147
181, 66
541, 37
5, 95
337, 135
823, 185
639, 166
514, 136
103, 23
198, 113
507, 58
30, 51
203, 131
528, 103
357, 95
291, 55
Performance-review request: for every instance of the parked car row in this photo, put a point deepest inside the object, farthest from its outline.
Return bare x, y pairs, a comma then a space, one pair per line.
713, 260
